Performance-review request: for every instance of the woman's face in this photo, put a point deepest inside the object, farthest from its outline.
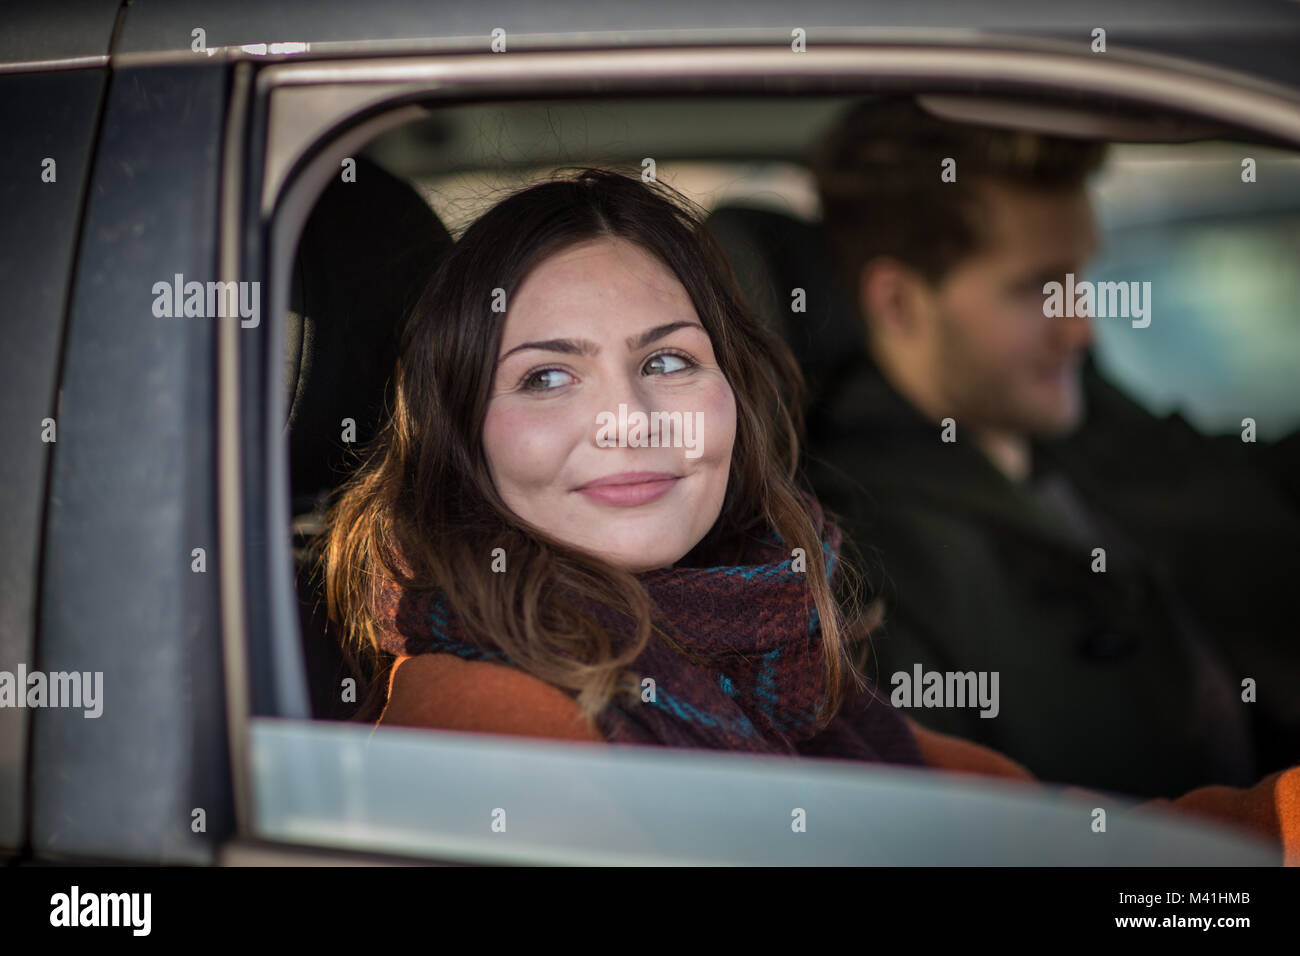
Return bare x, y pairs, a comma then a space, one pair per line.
610, 425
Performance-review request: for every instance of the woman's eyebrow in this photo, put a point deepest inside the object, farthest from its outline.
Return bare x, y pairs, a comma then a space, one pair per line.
658, 332
587, 347
568, 346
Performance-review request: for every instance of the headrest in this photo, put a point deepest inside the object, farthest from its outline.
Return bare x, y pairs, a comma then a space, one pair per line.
773, 254
364, 256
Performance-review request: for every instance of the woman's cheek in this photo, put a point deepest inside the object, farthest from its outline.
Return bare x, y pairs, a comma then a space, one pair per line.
505, 430
716, 415
521, 440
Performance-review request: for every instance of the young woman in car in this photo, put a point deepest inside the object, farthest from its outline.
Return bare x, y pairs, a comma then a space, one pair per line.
534, 562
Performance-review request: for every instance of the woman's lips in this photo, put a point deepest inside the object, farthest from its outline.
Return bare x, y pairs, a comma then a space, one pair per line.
626, 491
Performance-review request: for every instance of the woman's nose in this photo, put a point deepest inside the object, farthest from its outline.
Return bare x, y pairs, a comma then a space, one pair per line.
621, 400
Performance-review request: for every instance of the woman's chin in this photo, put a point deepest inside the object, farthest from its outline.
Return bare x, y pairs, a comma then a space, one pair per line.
638, 560
639, 563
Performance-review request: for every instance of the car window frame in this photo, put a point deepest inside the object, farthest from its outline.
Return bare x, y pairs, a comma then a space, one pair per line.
299, 119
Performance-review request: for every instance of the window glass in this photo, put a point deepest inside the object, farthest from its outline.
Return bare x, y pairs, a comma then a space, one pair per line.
488, 799
1221, 257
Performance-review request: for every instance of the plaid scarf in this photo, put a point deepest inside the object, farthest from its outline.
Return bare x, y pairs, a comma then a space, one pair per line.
759, 677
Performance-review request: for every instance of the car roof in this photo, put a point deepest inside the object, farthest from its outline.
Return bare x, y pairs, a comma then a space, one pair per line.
1258, 37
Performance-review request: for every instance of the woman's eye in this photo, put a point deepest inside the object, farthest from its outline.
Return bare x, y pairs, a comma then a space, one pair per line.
666, 363
540, 375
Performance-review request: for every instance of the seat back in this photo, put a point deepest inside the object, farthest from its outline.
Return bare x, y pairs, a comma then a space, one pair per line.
364, 256
773, 255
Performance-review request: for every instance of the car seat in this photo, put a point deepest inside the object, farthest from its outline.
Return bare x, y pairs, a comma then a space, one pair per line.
773, 254
364, 256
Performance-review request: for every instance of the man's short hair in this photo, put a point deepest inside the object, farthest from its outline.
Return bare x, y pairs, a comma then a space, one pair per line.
878, 172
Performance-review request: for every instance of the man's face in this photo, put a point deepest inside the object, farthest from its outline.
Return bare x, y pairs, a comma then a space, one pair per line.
998, 361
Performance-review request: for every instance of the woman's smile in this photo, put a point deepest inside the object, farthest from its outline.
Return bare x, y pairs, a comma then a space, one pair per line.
630, 488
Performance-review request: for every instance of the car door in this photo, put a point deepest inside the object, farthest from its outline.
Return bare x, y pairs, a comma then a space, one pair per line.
51, 91
129, 584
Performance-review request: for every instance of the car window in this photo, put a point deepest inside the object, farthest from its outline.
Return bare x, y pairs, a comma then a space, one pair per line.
448, 796
1223, 343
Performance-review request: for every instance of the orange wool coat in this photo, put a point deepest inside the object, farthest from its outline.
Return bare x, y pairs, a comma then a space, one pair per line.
446, 692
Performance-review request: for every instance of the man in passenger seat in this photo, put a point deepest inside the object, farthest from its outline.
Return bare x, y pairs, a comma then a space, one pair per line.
1125, 578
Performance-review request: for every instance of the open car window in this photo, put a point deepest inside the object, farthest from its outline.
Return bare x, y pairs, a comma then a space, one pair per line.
475, 798
1221, 250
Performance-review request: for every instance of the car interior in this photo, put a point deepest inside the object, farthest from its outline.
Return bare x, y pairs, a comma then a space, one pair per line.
369, 245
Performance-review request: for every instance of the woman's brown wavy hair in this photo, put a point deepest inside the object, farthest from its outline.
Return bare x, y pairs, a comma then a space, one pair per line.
422, 512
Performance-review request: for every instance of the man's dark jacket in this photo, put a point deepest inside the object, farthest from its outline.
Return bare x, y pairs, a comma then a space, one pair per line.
1130, 679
